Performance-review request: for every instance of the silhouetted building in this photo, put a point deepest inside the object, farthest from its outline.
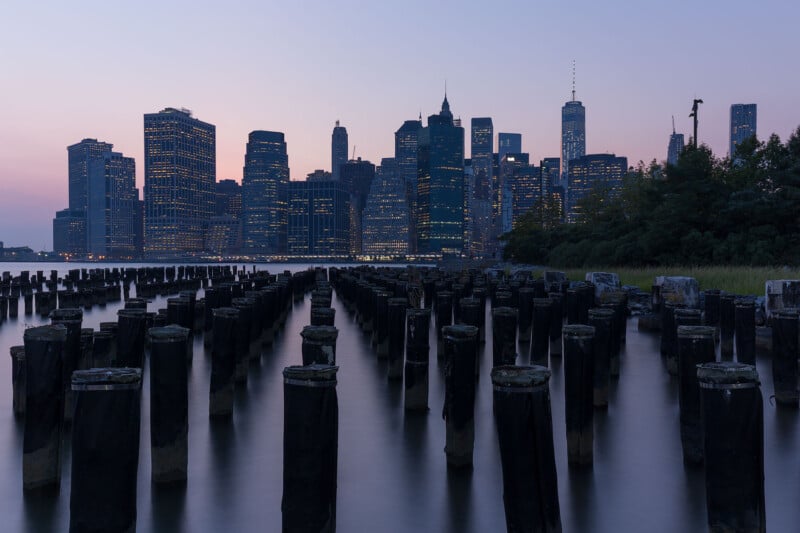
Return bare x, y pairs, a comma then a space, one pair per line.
338, 149
319, 219
481, 151
508, 143
319, 175
527, 191
223, 237
594, 172
675, 148
406, 140
265, 189
440, 185
551, 185
179, 179
510, 166
385, 220
573, 135
80, 156
228, 199
112, 204
743, 124
356, 175
69, 232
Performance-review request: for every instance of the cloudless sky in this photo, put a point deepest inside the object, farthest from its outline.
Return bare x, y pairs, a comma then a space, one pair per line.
70, 70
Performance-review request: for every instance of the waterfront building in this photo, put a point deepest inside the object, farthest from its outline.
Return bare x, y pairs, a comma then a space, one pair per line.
223, 237
385, 220
318, 219
339, 148
179, 178
743, 124
69, 232
594, 172
111, 207
265, 192
228, 199
440, 185
405, 156
481, 150
357, 175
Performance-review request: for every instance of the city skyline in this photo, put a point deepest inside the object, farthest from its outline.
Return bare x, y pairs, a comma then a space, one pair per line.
375, 79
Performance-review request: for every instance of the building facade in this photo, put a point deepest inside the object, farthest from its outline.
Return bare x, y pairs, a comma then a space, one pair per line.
594, 172
508, 143
573, 135
481, 150
319, 219
357, 175
339, 147
179, 179
111, 210
406, 140
386, 216
675, 148
743, 124
69, 232
265, 190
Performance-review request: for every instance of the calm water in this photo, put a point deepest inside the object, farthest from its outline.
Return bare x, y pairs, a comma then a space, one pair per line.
392, 469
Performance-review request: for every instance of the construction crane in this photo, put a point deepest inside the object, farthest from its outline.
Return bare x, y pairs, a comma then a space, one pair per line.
693, 114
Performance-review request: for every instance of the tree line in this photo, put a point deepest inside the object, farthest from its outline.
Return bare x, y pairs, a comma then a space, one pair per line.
740, 210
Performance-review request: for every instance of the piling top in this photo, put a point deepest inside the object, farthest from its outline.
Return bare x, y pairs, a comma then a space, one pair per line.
324, 311
87, 332
243, 302
131, 313
460, 331
520, 377
103, 334
578, 331
744, 302
109, 326
96, 379
601, 312
398, 301
415, 312
696, 332
685, 312
225, 312
17, 352
319, 333
171, 333
789, 313
504, 312
51, 333
66, 315
726, 373
469, 302
527, 290
727, 297
179, 300
316, 375
542, 302
136, 303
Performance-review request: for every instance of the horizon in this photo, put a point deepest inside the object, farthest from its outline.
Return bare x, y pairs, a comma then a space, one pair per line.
299, 68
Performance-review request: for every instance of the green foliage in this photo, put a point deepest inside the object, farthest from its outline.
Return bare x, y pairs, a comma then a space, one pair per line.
702, 211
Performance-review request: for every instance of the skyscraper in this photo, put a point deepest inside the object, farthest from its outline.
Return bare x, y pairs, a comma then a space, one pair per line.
508, 143
80, 155
356, 175
69, 232
405, 156
385, 220
179, 178
675, 146
593, 172
265, 189
573, 134
319, 218
440, 185
743, 124
338, 149
112, 204
481, 161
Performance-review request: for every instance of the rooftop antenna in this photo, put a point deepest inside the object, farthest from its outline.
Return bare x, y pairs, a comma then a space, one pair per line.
354, 152
337, 123
673, 124
573, 80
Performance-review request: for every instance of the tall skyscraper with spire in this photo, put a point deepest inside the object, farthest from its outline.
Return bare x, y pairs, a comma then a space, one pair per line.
743, 124
573, 132
675, 145
440, 185
179, 180
265, 193
338, 150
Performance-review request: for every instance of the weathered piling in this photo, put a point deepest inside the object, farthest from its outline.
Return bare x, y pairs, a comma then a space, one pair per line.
602, 320
417, 359
310, 449
130, 338
461, 350
169, 403
525, 433
243, 346
579, 392
745, 331
784, 356
681, 316
319, 345
669, 340
381, 328
13, 306
72, 320
28, 299
712, 308
540, 337
727, 325
397, 329
695, 347
103, 348
326, 316
44, 406
733, 415
18, 379
556, 322
105, 450
213, 300
223, 362
180, 313
444, 317
87, 348
504, 336
471, 312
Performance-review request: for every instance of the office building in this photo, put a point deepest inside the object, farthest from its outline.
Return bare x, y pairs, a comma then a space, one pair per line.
179, 179
357, 175
573, 134
675, 147
69, 232
508, 143
595, 172
318, 219
405, 156
111, 207
228, 199
265, 192
385, 220
481, 150
743, 125
440, 185
339, 148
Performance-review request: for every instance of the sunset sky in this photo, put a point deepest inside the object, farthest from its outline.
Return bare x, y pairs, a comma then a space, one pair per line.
70, 70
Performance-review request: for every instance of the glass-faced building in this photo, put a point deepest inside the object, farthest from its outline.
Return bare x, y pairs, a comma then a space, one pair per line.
338, 149
385, 220
265, 190
319, 219
743, 124
179, 179
675, 148
481, 150
573, 135
112, 204
508, 143
357, 175
440, 185
593, 172
406, 141
69, 232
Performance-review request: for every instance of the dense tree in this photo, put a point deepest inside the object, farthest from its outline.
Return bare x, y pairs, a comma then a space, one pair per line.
743, 210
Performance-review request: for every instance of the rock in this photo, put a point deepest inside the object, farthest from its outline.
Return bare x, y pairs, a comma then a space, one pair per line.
603, 282
681, 289
781, 294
